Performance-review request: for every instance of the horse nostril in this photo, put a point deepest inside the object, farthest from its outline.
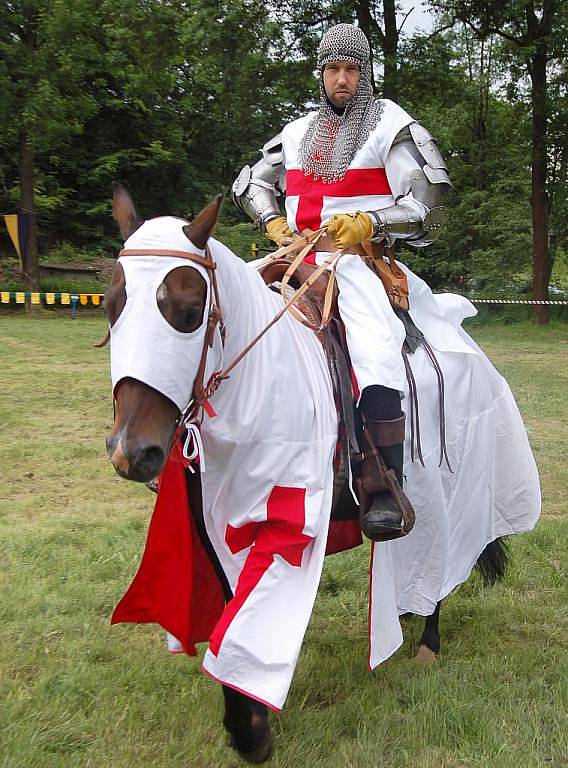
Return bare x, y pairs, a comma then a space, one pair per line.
147, 462
110, 443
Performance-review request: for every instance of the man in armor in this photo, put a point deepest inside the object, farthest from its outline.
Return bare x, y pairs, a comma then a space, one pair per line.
366, 171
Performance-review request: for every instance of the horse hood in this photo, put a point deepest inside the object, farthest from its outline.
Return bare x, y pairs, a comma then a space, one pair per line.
144, 346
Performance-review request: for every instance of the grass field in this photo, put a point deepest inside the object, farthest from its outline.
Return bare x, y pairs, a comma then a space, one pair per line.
76, 692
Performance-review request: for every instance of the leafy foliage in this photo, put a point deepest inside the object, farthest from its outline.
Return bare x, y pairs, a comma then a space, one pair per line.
173, 97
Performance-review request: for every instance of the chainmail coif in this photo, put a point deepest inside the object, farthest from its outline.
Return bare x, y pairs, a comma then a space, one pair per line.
331, 140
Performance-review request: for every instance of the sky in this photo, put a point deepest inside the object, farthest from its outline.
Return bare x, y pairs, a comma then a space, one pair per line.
419, 19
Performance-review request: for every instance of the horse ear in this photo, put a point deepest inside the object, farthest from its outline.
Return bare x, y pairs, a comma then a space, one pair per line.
123, 210
200, 229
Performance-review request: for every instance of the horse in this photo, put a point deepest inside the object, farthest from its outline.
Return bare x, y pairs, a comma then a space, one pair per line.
177, 310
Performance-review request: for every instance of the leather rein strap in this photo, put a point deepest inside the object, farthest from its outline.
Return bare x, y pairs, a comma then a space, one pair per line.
305, 243
201, 391
300, 248
333, 258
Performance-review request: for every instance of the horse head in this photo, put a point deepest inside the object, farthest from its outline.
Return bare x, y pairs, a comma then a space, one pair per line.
156, 306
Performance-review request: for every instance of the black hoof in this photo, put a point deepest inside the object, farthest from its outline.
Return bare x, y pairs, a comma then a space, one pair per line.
255, 744
262, 752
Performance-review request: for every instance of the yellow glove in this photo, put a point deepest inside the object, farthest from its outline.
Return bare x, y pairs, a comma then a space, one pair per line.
348, 229
278, 228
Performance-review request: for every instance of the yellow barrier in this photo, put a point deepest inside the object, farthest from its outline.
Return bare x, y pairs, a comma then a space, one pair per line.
51, 297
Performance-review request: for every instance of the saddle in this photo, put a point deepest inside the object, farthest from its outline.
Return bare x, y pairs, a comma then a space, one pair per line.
311, 304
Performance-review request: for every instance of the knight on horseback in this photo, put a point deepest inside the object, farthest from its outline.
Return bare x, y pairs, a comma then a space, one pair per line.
223, 394
370, 174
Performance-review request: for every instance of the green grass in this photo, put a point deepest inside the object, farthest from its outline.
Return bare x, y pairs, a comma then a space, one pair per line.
76, 692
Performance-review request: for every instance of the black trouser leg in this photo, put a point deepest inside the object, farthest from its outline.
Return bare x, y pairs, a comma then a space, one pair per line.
380, 403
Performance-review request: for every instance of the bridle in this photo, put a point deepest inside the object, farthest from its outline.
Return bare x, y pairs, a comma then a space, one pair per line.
203, 391
214, 319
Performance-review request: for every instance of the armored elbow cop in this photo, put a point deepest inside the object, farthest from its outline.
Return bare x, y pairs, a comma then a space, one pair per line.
429, 183
255, 189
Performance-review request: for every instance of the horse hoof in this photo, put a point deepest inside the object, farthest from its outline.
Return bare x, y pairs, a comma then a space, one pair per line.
254, 744
425, 656
262, 752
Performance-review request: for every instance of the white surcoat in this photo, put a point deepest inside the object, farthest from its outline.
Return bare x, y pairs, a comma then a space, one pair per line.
374, 174
377, 175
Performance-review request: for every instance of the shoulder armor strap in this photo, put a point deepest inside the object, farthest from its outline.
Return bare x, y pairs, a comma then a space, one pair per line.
272, 151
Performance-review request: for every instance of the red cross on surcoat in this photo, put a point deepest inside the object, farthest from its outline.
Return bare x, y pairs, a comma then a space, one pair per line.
357, 182
281, 534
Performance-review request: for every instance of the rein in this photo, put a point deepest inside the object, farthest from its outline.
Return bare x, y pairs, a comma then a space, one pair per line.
308, 241
201, 391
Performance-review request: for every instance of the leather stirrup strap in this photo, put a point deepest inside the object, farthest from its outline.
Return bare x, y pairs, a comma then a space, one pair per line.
415, 441
441, 404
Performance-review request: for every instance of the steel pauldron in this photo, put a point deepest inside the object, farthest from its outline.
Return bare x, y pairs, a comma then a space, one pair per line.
255, 189
429, 183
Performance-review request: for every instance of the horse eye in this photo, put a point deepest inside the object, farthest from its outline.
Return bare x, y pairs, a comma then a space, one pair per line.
181, 299
191, 320
184, 319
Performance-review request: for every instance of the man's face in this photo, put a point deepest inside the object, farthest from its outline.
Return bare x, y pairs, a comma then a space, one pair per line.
340, 80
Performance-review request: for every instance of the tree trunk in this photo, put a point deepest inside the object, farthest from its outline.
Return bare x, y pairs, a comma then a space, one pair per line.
26, 163
31, 268
482, 112
390, 50
542, 264
366, 24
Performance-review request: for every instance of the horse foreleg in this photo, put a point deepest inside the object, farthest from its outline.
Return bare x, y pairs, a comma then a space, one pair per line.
430, 641
246, 720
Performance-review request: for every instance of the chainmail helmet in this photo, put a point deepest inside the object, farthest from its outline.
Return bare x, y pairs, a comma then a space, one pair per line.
331, 140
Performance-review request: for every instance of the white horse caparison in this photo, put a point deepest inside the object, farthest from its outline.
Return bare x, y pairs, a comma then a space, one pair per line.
268, 438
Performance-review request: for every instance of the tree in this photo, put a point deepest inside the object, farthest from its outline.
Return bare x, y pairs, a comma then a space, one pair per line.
170, 97
44, 50
532, 31
307, 20
448, 86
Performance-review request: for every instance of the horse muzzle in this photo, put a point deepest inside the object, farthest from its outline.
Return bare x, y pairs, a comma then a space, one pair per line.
133, 460
144, 425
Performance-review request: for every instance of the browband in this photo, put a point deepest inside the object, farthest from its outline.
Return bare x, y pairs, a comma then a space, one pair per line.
204, 261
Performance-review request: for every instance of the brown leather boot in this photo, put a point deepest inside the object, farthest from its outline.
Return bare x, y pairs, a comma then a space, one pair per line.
385, 511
